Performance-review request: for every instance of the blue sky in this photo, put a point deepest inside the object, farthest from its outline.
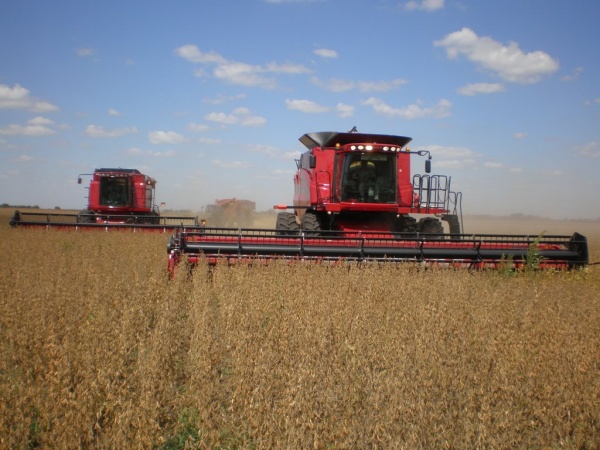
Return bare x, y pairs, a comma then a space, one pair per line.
210, 97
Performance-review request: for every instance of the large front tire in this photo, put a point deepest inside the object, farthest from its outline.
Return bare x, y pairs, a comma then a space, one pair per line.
311, 224
431, 225
286, 224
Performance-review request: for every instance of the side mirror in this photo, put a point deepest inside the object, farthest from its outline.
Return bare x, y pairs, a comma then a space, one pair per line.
312, 161
79, 180
428, 166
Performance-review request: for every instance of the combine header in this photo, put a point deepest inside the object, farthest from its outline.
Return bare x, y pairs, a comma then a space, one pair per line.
118, 199
356, 200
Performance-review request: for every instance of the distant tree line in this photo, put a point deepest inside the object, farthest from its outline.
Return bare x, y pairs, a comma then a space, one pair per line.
6, 205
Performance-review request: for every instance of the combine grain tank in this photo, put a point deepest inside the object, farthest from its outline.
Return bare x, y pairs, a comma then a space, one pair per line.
117, 199
357, 199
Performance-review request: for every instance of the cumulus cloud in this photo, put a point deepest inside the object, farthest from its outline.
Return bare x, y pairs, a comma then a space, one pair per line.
508, 62
481, 88
198, 127
574, 76
97, 131
165, 137
520, 135
234, 164
307, 106
235, 72
26, 130
337, 85
18, 97
589, 150
38, 126
452, 157
414, 111
85, 51
325, 53
135, 151
113, 112
344, 111
239, 116
424, 5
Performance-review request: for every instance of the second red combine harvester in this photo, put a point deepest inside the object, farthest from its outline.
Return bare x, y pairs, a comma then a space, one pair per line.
117, 199
356, 199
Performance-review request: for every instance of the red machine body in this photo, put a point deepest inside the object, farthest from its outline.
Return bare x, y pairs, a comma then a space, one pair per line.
114, 193
117, 199
363, 182
356, 200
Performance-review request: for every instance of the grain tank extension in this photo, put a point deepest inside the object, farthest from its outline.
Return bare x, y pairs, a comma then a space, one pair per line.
357, 199
117, 199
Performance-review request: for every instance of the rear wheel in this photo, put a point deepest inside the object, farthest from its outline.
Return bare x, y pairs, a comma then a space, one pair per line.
431, 225
286, 224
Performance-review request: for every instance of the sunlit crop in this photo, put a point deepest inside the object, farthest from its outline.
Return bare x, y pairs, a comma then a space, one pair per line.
98, 349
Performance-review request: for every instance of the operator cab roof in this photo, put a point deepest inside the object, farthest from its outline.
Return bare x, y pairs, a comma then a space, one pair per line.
331, 138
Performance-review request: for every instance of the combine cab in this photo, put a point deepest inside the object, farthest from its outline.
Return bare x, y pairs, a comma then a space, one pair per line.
118, 199
356, 199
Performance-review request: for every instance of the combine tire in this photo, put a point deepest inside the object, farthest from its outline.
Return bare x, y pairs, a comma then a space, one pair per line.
405, 224
286, 224
311, 224
431, 225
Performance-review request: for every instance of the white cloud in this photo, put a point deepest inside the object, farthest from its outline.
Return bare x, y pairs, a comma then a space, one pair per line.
574, 76
230, 164
325, 53
26, 130
509, 62
85, 51
344, 110
481, 88
424, 5
241, 116
493, 165
337, 85
97, 131
414, 111
193, 54
40, 121
198, 127
165, 137
238, 73
591, 102
520, 135
18, 97
135, 151
306, 106
113, 112
590, 150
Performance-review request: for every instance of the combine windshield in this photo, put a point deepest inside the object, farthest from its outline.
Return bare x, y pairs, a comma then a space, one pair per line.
367, 177
114, 191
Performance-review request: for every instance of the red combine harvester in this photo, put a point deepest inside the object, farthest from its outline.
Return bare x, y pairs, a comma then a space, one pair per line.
356, 199
118, 199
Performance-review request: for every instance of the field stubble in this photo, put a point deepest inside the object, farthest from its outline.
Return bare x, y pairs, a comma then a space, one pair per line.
99, 350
